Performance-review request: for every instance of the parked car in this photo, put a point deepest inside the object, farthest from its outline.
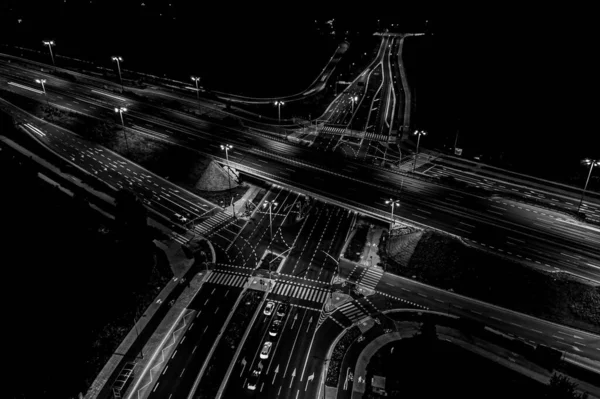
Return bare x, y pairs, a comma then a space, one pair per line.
269, 308
253, 379
283, 309
264, 353
275, 327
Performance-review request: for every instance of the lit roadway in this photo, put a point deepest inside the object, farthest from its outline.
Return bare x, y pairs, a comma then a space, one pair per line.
315, 87
303, 278
212, 305
374, 108
543, 238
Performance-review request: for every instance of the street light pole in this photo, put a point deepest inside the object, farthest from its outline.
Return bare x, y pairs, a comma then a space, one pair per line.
353, 100
393, 203
42, 81
228, 147
418, 133
270, 204
592, 163
197, 80
336, 272
455, 141
279, 104
50, 43
119, 60
120, 110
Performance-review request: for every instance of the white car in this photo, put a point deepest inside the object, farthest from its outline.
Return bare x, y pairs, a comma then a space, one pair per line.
269, 308
264, 353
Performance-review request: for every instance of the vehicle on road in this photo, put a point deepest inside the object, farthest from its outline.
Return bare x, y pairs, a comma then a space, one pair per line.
269, 308
253, 379
275, 327
282, 309
264, 353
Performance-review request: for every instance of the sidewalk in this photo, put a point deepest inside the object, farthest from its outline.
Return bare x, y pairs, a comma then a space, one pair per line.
369, 256
240, 205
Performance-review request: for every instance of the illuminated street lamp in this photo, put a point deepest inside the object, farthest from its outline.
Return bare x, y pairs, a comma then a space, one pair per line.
337, 269
592, 163
120, 110
42, 81
279, 104
392, 203
226, 148
418, 133
353, 100
50, 43
119, 60
195, 79
270, 205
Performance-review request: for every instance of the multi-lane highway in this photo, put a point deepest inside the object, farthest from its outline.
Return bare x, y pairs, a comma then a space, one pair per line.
315, 87
302, 275
483, 176
366, 119
552, 240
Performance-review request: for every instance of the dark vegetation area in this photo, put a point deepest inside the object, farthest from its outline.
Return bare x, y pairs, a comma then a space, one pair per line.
87, 278
333, 371
409, 369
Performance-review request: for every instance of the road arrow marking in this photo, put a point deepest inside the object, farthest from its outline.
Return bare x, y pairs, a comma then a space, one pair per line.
275, 372
309, 379
243, 365
295, 318
292, 379
310, 321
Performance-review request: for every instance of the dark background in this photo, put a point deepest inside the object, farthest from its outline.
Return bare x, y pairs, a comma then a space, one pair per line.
515, 82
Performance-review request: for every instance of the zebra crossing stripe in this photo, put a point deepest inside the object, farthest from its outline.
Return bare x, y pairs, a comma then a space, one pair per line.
320, 296
303, 292
307, 293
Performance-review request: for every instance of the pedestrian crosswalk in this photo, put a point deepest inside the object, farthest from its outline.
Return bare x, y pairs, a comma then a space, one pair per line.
371, 277
301, 291
211, 223
231, 279
334, 130
376, 137
353, 133
352, 312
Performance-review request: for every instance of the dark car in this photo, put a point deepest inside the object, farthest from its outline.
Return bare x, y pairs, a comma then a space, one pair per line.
253, 379
275, 327
283, 309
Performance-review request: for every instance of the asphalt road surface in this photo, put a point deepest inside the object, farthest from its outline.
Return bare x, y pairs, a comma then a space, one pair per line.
212, 304
543, 238
552, 240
